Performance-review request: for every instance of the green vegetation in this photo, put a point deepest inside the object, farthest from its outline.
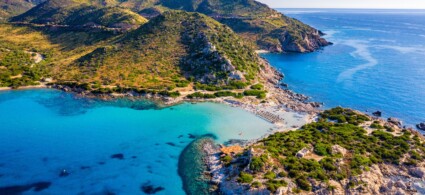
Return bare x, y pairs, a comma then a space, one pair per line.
76, 13
253, 21
245, 177
17, 68
149, 57
94, 41
362, 150
257, 86
273, 185
10, 8
258, 93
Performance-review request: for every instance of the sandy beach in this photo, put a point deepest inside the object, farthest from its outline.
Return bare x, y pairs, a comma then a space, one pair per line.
40, 86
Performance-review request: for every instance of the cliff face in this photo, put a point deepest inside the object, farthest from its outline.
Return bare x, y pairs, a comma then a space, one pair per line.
284, 41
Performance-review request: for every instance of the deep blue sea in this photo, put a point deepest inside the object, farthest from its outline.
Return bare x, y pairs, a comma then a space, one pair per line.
377, 61
43, 132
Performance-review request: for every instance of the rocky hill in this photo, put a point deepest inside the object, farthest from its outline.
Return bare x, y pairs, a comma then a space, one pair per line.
344, 152
173, 46
108, 43
80, 14
261, 26
10, 8
264, 27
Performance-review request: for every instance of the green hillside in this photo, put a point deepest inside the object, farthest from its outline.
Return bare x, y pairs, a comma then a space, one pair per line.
80, 13
264, 27
337, 149
109, 42
168, 49
259, 25
10, 8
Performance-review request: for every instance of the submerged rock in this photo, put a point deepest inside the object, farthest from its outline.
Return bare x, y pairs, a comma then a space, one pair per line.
84, 167
64, 173
150, 189
191, 167
118, 156
171, 144
19, 189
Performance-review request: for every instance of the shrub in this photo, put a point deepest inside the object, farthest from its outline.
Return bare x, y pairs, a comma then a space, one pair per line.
256, 184
270, 175
282, 174
257, 163
226, 160
257, 86
303, 184
257, 93
273, 185
322, 149
245, 177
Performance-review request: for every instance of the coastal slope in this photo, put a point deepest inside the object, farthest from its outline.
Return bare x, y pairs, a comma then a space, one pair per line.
264, 27
344, 152
174, 47
261, 26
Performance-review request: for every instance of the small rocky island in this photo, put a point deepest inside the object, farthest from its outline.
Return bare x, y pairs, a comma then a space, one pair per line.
343, 152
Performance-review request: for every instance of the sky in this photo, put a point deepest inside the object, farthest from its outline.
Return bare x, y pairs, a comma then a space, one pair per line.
380, 4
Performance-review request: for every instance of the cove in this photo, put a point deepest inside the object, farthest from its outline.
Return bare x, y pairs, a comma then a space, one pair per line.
79, 145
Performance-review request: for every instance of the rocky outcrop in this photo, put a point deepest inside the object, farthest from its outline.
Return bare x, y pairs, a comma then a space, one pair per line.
337, 149
421, 126
287, 39
377, 113
395, 121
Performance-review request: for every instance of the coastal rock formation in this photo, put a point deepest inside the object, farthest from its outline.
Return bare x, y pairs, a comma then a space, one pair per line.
343, 159
377, 113
395, 121
421, 126
300, 42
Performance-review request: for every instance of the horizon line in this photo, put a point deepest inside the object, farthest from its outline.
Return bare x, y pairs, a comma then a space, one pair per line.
348, 8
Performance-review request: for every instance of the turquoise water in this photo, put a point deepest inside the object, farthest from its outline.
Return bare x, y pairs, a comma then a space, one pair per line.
43, 132
377, 61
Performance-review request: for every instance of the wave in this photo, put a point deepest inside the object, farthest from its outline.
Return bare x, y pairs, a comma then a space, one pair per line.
404, 50
362, 51
330, 33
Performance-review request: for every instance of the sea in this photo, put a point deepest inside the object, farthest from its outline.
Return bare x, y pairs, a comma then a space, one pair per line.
52, 142
377, 61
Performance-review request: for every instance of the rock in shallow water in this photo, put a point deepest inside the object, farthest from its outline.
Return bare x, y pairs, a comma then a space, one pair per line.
171, 143
150, 189
421, 126
19, 189
118, 156
377, 113
64, 173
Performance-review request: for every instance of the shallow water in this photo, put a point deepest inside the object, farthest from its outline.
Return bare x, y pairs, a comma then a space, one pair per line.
44, 131
377, 61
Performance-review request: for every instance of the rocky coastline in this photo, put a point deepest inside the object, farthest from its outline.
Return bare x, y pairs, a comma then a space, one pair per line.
382, 178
